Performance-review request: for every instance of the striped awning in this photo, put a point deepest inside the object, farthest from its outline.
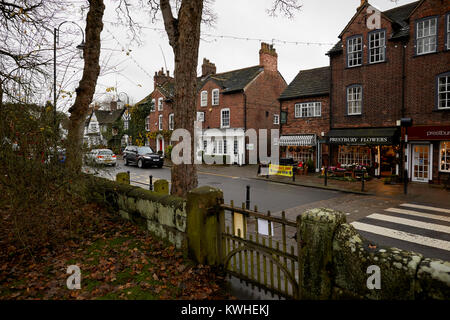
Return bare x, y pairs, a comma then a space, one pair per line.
298, 141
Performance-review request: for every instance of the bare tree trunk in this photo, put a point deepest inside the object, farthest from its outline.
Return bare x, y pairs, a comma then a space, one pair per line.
88, 82
184, 37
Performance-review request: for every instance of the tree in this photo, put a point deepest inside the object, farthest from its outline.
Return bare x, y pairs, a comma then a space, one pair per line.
88, 82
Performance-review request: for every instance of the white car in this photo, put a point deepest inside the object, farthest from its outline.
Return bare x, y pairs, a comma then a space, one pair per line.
101, 156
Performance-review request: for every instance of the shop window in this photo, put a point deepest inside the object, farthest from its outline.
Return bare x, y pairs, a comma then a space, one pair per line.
354, 155
300, 154
445, 156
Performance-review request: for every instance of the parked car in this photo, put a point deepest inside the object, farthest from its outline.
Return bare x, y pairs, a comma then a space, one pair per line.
102, 157
142, 157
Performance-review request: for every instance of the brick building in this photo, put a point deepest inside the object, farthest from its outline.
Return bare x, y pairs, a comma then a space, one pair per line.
230, 103
305, 106
382, 73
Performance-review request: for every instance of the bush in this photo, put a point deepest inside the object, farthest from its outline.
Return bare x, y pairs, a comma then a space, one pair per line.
311, 167
168, 152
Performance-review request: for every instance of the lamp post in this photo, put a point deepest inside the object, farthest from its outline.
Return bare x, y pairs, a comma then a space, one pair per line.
55, 42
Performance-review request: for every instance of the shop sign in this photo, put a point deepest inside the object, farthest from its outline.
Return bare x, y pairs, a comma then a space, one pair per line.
429, 133
359, 140
277, 170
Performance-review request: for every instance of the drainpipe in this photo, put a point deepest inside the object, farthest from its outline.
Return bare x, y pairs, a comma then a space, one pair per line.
330, 113
403, 145
245, 127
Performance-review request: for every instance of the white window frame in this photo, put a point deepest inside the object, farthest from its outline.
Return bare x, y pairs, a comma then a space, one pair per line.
426, 35
312, 109
204, 99
377, 46
444, 156
221, 118
171, 121
443, 89
125, 124
153, 105
447, 17
160, 122
354, 51
147, 123
200, 116
354, 103
276, 119
160, 104
215, 97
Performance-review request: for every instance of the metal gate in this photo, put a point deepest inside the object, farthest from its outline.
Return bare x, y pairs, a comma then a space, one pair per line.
261, 250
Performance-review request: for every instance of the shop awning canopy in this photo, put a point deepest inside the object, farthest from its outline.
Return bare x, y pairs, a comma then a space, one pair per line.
372, 136
298, 141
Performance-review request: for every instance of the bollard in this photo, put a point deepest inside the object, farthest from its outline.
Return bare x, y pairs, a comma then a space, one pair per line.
247, 201
326, 176
293, 173
362, 181
405, 178
151, 183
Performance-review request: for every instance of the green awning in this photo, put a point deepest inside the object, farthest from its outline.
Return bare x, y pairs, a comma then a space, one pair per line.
368, 136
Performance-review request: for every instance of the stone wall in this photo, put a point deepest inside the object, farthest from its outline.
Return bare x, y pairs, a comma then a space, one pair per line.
335, 260
163, 215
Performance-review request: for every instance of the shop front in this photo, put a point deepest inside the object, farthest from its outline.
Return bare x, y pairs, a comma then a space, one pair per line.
376, 149
300, 148
428, 153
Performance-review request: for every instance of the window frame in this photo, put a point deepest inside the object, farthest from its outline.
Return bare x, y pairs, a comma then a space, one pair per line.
160, 122
153, 108
369, 42
347, 99
352, 38
437, 98
160, 104
203, 116
147, 123
447, 156
215, 91
416, 39
221, 118
305, 105
447, 33
171, 121
204, 98
276, 119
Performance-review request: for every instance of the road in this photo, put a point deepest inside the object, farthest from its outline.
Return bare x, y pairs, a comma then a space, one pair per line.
384, 221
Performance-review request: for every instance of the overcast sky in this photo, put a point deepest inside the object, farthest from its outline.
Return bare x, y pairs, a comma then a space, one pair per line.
318, 22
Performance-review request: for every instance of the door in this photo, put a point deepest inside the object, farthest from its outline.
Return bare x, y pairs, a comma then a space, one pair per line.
161, 145
420, 163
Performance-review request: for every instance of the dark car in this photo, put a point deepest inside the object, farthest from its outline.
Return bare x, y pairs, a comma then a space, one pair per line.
142, 157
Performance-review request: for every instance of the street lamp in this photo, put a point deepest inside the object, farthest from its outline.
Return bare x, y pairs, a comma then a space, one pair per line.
55, 42
128, 98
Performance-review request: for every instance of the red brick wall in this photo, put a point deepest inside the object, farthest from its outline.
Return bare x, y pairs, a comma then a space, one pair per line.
381, 82
422, 70
312, 125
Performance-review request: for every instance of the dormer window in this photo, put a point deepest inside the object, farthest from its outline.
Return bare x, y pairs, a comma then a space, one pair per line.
354, 51
204, 99
215, 97
426, 36
160, 104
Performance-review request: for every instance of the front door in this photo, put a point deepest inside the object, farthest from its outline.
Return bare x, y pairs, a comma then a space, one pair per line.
421, 163
160, 145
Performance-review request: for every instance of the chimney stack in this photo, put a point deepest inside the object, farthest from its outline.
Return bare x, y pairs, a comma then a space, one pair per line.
161, 77
268, 57
208, 68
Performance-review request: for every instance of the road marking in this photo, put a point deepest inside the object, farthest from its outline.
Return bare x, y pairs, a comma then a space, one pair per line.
219, 175
411, 223
405, 236
419, 214
425, 207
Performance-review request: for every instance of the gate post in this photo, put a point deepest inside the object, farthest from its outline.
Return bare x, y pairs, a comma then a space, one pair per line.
315, 231
205, 222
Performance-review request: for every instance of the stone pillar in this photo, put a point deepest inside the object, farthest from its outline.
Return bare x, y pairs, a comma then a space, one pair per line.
204, 220
161, 186
316, 228
123, 177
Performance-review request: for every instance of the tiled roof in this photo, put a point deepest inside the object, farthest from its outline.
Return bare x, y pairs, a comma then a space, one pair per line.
311, 82
235, 80
398, 16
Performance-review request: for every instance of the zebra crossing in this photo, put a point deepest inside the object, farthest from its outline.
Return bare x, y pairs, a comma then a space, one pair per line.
414, 227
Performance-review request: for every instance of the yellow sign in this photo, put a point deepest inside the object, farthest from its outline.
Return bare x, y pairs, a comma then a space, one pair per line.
277, 170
